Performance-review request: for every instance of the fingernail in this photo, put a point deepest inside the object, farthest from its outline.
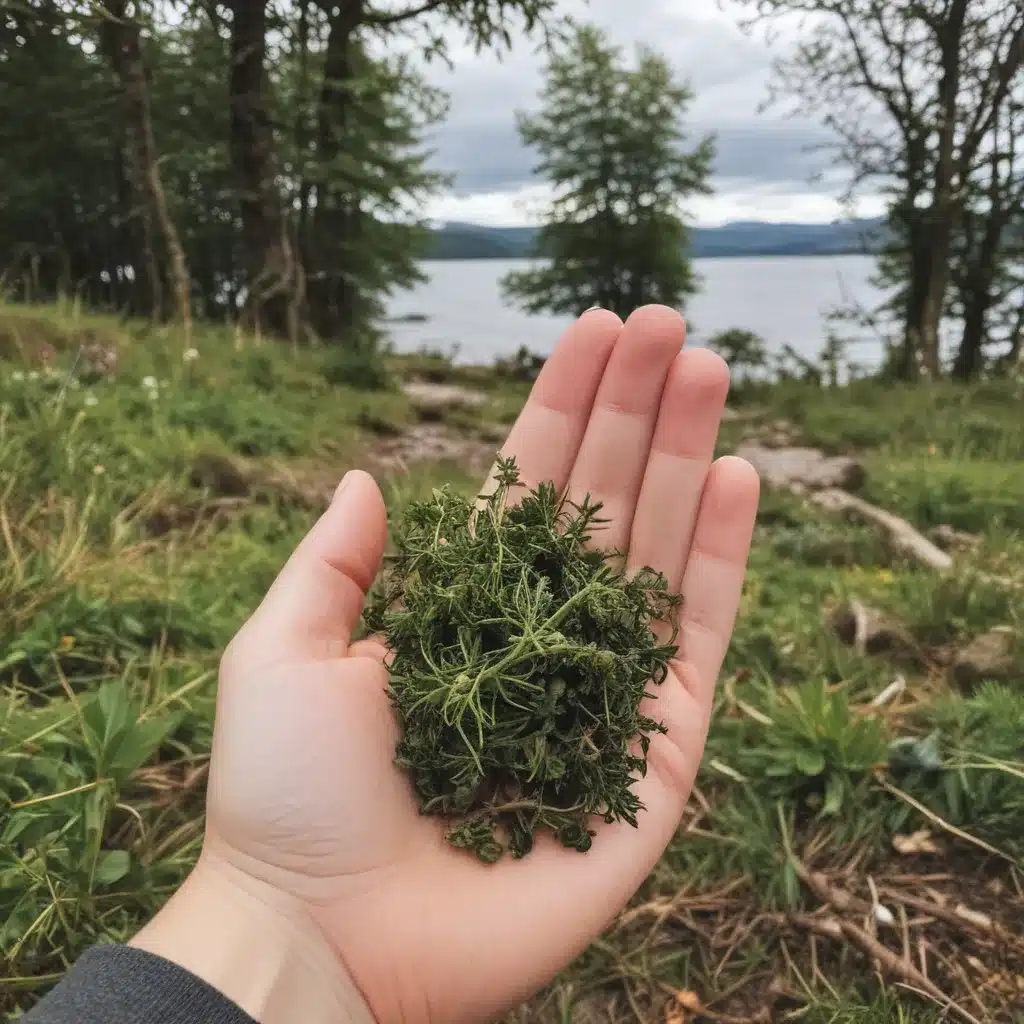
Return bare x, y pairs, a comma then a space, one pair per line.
590, 309
340, 489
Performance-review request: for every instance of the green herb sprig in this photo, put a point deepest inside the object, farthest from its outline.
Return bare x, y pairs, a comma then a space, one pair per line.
519, 659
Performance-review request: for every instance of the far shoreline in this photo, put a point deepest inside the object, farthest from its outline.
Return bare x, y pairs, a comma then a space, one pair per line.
496, 258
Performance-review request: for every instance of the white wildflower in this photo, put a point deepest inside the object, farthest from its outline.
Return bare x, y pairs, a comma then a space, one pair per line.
154, 395
99, 470
149, 382
33, 375
74, 384
91, 400
190, 355
17, 375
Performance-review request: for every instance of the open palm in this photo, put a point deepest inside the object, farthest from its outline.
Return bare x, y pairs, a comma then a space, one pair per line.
304, 796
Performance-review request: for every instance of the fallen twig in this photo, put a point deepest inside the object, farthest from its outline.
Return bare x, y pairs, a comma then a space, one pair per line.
953, 916
837, 928
942, 823
903, 534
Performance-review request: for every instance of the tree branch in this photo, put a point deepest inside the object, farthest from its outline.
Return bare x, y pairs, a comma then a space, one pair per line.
384, 20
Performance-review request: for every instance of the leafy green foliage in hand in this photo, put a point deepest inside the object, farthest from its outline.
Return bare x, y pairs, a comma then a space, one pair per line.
520, 660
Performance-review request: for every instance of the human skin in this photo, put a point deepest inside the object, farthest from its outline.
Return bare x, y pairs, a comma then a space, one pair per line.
321, 893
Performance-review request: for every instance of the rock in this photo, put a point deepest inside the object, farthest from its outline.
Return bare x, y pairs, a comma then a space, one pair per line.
46, 355
222, 474
988, 656
803, 468
430, 442
99, 359
870, 631
436, 398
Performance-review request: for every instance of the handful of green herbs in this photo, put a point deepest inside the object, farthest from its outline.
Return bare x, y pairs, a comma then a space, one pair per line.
519, 661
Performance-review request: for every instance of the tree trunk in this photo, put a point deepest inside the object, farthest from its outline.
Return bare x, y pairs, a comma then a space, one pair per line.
970, 356
982, 268
333, 306
275, 280
943, 211
1014, 360
908, 365
122, 42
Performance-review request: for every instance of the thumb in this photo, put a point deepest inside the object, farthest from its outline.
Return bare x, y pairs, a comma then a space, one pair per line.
313, 606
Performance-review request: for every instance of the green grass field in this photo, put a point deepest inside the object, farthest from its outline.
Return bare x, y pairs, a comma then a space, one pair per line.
143, 514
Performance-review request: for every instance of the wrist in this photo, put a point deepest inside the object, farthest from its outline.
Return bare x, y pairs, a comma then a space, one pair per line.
256, 946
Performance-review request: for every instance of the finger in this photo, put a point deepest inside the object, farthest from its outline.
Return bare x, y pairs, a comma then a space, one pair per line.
314, 604
547, 435
678, 464
613, 454
713, 577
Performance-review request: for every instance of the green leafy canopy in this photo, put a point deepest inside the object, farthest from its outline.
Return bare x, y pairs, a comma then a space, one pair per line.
520, 658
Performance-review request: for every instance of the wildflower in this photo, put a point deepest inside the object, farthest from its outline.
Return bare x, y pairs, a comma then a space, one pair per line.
149, 382
190, 355
33, 375
66, 643
99, 469
154, 395
17, 375
91, 400
884, 576
74, 384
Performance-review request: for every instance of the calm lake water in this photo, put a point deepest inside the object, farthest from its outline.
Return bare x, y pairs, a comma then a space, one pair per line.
782, 298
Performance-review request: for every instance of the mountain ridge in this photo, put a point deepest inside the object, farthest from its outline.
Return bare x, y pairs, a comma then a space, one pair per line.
459, 240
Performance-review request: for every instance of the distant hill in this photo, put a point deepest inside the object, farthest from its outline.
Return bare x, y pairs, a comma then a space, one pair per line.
457, 241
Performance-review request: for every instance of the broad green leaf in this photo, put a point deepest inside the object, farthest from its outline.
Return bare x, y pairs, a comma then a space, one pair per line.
835, 790
810, 762
112, 867
138, 743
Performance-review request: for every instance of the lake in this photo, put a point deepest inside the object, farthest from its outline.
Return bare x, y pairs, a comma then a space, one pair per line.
782, 298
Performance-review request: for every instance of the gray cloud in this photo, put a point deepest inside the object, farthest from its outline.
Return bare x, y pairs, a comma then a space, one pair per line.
728, 70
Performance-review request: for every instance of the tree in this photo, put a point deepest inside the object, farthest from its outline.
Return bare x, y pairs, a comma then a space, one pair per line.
912, 90
259, 159
611, 139
120, 34
360, 174
988, 252
276, 279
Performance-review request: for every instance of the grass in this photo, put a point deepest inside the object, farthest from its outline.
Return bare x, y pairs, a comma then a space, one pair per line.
142, 516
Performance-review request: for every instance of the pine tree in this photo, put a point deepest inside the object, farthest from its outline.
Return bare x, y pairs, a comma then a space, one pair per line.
612, 146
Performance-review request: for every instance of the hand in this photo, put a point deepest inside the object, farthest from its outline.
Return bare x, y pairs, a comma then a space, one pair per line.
316, 859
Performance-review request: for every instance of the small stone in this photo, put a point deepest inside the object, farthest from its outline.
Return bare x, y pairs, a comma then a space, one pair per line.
222, 474
870, 631
803, 467
426, 395
988, 656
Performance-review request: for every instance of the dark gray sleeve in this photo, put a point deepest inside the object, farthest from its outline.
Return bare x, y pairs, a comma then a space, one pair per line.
124, 985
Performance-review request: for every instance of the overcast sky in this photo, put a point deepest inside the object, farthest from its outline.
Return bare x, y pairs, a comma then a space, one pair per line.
763, 167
